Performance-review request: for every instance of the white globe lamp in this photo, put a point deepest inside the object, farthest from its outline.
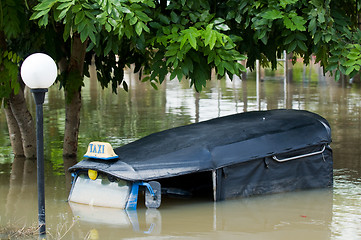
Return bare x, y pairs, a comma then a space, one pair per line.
39, 71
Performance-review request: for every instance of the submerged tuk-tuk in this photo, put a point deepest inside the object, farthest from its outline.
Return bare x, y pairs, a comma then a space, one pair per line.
240, 155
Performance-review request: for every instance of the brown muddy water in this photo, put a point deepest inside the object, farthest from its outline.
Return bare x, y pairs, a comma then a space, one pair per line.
316, 214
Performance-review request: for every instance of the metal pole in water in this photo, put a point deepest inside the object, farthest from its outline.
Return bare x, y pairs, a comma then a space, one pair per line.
39, 95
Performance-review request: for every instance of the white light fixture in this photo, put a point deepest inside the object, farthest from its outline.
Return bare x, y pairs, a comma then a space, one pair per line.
38, 71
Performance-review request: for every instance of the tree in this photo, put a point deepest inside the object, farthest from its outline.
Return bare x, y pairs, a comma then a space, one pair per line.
119, 33
13, 23
17, 41
190, 38
326, 29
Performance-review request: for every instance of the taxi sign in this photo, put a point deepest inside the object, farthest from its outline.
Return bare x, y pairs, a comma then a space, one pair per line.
100, 150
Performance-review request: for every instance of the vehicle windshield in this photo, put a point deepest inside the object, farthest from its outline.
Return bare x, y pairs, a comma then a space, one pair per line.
103, 191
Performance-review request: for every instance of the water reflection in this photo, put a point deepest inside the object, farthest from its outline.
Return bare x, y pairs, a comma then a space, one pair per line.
347, 211
118, 218
22, 186
303, 215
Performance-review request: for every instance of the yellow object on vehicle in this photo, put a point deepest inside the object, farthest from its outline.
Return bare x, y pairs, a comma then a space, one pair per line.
92, 174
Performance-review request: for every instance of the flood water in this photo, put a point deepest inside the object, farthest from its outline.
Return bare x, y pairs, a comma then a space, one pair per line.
119, 119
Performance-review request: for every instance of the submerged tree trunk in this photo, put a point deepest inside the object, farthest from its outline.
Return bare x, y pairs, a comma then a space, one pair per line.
68, 162
73, 98
20, 122
14, 131
25, 123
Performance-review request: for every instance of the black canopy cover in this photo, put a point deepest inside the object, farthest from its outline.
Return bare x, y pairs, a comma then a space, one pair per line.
215, 144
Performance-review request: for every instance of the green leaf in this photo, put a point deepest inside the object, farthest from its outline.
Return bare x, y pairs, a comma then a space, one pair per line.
139, 28
145, 79
192, 40
288, 23
90, 15
155, 25
312, 26
299, 23
166, 30
349, 63
164, 19
125, 86
92, 37
82, 25
272, 14
67, 29
212, 41
220, 69
331, 67
133, 20
219, 21
292, 47
108, 48
45, 5
289, 39
124, 9
108, 27
284, 3
327, 38
76, 8
142, 16
210, 37
173, 75
37, 15
170, 60
217, 60
321, 16
183, 41
317, 38
302, 46
193, 17
79, 17
301, 36
229, 67
174, 17
62, 14
350, 70
222, 27
64, 5
211, 56
154, 85
199, 83
146, 28
84, 34
294, 22
43, 21
87, 6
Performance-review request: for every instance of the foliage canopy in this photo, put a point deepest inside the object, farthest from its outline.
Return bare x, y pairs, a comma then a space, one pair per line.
190, 38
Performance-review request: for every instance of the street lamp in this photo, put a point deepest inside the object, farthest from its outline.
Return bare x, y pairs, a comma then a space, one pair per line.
39, 72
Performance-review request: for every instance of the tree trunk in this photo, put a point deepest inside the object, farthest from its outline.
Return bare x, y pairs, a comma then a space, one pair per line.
25, 123
72, 122
73, 102
68, 162
14, 131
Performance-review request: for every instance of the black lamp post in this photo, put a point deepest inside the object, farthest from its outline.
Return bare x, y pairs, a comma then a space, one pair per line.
39, 72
